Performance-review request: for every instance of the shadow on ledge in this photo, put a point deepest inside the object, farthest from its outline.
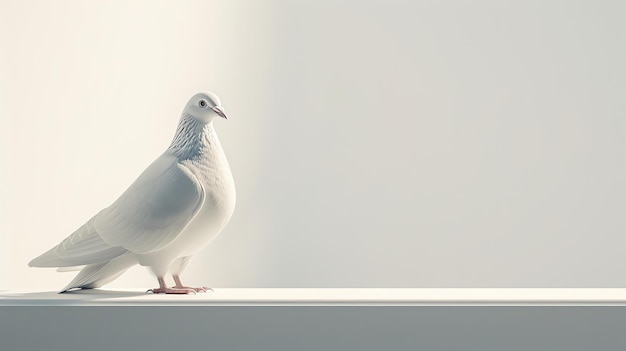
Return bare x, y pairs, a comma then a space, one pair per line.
75, 297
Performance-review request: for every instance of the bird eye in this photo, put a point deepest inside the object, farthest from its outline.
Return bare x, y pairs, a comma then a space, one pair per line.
202, 103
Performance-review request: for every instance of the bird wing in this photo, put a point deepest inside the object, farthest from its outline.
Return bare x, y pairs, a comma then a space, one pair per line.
154, 210
82, 247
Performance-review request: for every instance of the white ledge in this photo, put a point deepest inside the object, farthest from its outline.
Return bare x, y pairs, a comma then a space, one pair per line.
330, 297
316, 319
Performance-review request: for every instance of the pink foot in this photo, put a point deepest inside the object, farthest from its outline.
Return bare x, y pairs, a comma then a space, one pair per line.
200, 289
173, 290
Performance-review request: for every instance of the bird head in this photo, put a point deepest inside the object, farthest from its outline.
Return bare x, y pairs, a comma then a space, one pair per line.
204, 107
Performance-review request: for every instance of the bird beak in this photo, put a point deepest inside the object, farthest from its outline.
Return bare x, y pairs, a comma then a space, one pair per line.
220, 111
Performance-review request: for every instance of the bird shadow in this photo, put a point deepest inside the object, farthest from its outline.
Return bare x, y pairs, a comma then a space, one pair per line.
68, 297
99, 293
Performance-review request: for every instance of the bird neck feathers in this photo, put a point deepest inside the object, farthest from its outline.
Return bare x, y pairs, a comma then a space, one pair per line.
193, 138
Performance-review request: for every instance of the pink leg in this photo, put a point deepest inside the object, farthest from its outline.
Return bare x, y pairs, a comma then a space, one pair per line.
179, 285
163, 289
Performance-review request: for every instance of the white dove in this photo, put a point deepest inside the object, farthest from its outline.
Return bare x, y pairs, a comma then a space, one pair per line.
179, 204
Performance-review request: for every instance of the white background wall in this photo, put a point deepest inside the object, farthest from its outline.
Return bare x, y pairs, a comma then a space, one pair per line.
374, 144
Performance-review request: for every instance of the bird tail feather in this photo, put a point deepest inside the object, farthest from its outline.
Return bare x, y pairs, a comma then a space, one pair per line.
69, 269
96, 275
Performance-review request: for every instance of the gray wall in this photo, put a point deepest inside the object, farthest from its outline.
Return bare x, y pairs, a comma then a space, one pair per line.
374, 144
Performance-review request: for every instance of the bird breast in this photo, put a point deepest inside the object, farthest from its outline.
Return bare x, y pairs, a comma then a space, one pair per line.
213, 173
219, 189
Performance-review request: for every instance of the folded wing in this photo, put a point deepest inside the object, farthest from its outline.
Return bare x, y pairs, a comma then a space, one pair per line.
154, 210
